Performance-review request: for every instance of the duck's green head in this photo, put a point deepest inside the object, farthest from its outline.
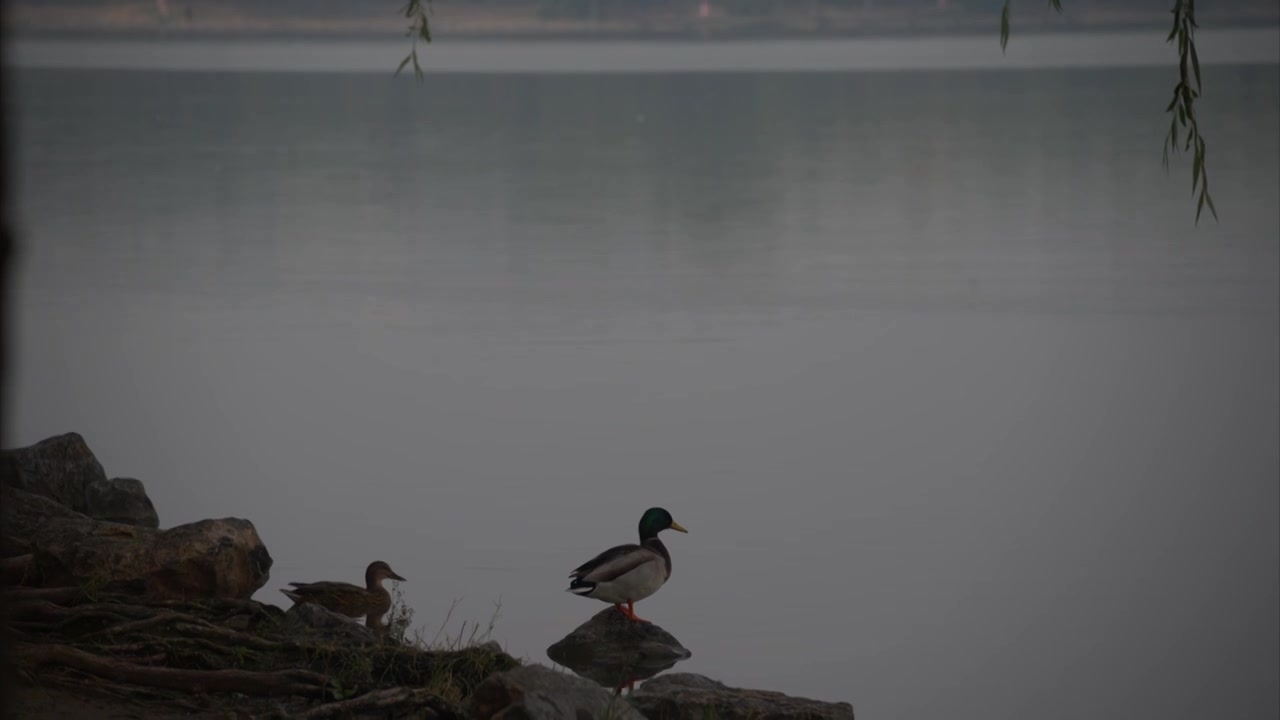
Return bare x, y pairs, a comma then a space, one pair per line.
654, 521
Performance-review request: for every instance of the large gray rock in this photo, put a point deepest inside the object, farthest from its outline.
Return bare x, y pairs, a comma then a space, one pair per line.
63, 469
121, 500
60, 468
686, 696
207, 559
616, 652
536, 692
312, 622
25, 514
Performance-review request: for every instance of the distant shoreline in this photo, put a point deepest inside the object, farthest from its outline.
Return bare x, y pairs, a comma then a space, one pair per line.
622, 35
139, 20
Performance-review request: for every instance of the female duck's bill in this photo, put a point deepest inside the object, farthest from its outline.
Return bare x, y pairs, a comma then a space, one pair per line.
627, 574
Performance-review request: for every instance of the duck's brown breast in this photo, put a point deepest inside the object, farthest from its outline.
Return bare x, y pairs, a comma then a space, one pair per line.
379, 602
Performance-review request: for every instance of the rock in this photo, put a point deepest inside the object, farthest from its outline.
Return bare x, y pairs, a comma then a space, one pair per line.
59, 468
615, 652
25, 514
10, 545
312, 622
610, 636
536, 692
63, 469
121, 500
246, 615
238, 622
16, 569
52, 490
686, 696
206, 559
617, 675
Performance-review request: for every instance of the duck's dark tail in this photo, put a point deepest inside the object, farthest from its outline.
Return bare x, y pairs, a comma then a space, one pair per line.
581, 587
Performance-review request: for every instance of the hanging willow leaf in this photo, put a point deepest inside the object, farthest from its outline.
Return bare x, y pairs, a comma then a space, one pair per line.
1195, 65
1195, 169
1004, 27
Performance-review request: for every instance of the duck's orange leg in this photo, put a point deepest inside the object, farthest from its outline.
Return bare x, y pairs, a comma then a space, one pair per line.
631, 612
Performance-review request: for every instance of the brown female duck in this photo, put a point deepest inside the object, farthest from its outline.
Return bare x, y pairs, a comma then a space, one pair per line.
372, 601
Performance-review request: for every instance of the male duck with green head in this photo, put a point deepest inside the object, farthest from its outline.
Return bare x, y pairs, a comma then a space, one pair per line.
627, 574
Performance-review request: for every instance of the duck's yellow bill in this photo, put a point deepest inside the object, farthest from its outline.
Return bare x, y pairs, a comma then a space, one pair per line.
676, 526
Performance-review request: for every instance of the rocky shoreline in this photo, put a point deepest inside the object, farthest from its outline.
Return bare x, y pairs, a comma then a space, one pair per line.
108, 615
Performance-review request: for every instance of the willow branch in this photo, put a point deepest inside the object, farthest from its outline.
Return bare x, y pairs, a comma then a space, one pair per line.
1182, 108
420, 30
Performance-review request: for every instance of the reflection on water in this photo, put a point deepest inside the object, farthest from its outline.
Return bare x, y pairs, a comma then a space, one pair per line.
616, 652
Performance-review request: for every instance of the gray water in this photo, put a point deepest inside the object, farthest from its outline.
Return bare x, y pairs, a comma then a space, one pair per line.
965, 415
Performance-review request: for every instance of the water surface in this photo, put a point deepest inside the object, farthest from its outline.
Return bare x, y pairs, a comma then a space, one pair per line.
966, 417
1234, 46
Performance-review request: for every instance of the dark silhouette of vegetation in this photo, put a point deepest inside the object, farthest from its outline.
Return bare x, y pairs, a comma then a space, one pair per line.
191, 655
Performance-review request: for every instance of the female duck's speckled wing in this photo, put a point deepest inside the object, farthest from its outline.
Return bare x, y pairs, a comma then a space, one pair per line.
345, 598
614, 563
326, 587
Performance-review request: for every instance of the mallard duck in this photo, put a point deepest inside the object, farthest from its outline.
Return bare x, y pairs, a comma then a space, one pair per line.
373, 601
629, 573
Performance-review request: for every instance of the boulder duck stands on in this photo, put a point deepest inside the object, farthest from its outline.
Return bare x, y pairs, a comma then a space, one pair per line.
627, 574
372, 601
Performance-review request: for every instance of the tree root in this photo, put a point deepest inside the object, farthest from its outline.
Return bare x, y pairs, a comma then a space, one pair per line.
129, 649
196, 627
148, 620
56, 595
397, 698
16, 570
275, 683
42, 609
172, 654
137, 625
93, 685
227, 606
14, 634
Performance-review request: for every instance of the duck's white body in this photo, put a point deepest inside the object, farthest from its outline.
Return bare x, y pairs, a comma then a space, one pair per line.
625, 574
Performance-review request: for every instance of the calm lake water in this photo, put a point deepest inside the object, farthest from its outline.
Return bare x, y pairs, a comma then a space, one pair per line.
965, 415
